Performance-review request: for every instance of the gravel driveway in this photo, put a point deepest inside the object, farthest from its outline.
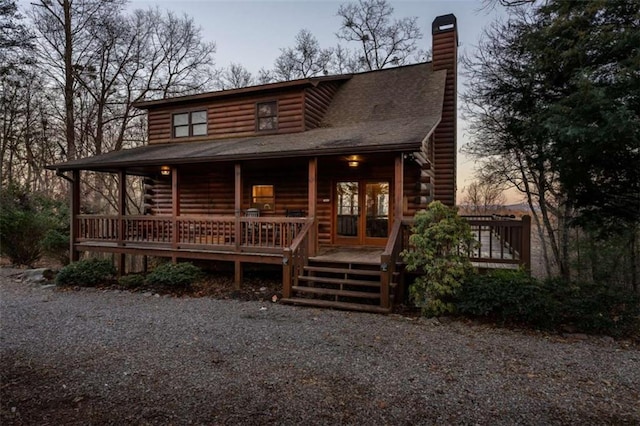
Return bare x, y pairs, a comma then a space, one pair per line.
108, 357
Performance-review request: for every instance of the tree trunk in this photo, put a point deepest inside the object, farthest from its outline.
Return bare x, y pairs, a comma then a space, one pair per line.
68, 82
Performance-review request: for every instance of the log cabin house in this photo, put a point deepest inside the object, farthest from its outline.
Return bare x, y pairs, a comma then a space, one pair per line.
319, 175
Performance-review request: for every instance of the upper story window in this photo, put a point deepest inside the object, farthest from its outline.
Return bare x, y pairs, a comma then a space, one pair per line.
193, 123
267, 115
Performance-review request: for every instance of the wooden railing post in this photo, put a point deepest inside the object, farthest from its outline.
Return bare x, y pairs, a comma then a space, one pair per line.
386, 271
525, 250
122, 206
238, 204
312, 202
287, 268
74, 255
175, 211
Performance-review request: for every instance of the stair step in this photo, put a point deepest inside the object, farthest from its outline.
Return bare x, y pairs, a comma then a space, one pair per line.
339, 281
332, 292
366, 272
337, 305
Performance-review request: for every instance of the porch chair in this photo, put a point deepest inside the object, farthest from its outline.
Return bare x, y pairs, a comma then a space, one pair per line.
253, 228
294, 213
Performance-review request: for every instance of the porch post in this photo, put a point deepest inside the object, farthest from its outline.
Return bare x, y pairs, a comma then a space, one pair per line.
237, 266
122, 206
74, 255
398, 190
175, 212
525, 253
313, 197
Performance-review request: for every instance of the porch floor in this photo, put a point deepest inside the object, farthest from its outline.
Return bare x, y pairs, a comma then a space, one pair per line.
361, 255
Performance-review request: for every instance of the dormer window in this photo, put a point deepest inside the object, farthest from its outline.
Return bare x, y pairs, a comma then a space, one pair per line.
193, 123
267, 116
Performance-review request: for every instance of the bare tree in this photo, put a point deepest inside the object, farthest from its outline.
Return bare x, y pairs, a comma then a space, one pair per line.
266, 76
345, 61
305, 59
108, 59
383, 41
235, 76
62, 26
23, 122
483, 196
181, 62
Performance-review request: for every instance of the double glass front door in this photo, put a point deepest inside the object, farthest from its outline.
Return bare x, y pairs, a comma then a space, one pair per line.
362, 212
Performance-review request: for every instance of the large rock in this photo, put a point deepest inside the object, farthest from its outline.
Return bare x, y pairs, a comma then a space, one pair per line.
37, 276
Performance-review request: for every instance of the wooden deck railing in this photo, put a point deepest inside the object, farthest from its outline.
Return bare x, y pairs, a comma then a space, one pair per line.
295, 258
505, 240
502, 240
192, 231
101, 228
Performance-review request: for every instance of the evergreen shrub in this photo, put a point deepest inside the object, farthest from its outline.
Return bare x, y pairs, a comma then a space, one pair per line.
439, 249
25, 221
508, 297
132, 280
86, 273
174, 275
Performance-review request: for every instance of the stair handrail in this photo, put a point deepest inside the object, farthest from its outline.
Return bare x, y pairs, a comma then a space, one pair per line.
388, 260
295, 258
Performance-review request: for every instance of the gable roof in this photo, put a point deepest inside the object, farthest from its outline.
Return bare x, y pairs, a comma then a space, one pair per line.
387, 110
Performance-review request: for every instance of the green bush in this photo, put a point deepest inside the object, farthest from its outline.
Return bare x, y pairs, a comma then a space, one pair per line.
440, 244
513, 297
131, 281
174, 275
26, 221
508, 297
90, 272
595, 308
56, 245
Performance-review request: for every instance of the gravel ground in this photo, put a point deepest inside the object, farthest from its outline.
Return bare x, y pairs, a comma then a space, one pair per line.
111, 357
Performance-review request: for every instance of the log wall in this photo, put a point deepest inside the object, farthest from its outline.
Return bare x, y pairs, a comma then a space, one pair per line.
210, 190
316, 102
230, 118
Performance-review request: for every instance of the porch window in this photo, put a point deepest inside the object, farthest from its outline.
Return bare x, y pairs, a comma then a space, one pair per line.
267, 116
193, 123
263, 197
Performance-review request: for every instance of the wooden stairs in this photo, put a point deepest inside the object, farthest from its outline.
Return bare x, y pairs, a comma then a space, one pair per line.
344, 285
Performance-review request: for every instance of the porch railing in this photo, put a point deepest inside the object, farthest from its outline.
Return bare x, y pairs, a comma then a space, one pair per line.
503, 240
192, 231
389, 260
296, 257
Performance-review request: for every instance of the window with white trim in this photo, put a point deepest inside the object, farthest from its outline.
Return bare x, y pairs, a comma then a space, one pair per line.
192, 123
267, 116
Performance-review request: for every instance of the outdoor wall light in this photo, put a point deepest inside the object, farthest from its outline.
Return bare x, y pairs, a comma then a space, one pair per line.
165, 170
353, 164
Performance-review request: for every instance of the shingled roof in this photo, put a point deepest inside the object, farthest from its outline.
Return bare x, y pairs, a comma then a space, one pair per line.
378, 111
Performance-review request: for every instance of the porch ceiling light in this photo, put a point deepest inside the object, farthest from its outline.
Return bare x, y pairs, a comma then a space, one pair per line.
354, 160
165, 170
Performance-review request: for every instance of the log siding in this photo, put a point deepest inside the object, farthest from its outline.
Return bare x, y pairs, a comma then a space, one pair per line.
230, 118
316, 102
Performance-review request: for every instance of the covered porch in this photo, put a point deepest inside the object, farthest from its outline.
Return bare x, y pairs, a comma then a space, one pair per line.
202, 211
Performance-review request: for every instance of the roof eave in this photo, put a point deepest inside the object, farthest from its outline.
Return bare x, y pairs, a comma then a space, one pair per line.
371, 149
313, 81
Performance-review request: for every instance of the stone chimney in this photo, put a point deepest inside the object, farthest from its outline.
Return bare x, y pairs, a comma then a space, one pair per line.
445, 56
